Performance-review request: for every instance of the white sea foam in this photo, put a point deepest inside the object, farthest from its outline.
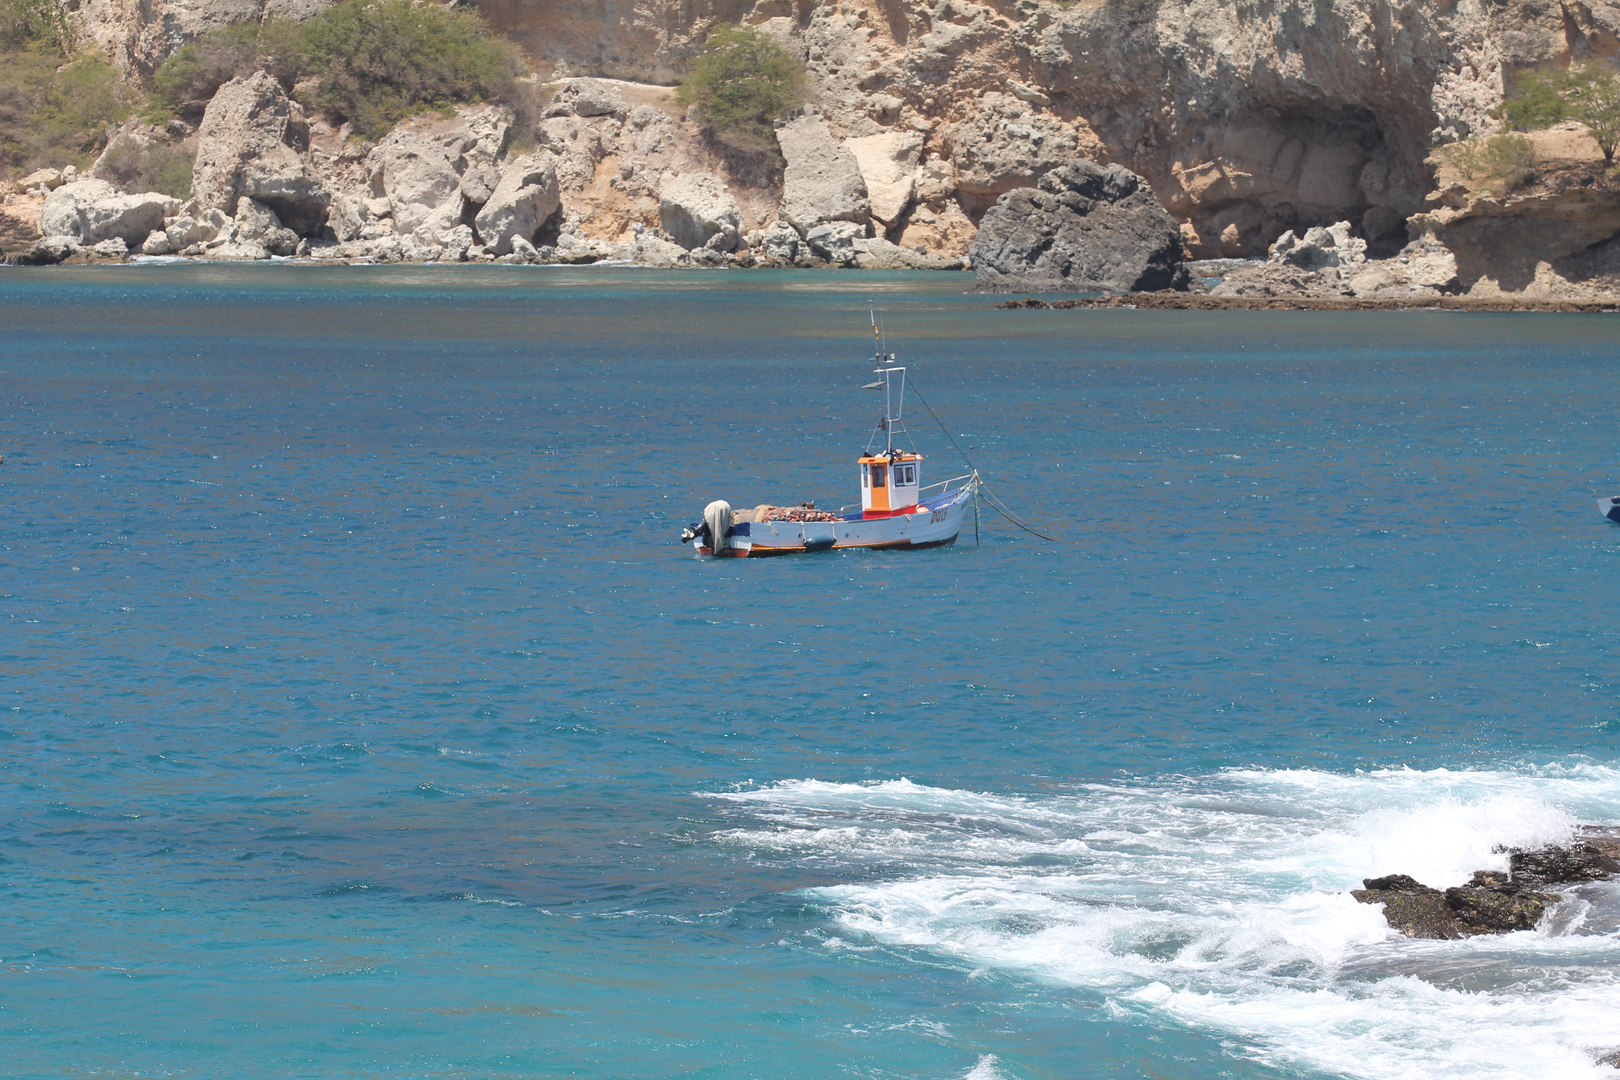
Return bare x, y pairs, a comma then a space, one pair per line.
1221, 903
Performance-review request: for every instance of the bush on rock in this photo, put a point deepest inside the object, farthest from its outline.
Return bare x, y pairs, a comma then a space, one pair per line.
51, 112
370, 62
742, 82
1588, 93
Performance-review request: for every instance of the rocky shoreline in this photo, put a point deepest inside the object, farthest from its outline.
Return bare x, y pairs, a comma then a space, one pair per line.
1173, 301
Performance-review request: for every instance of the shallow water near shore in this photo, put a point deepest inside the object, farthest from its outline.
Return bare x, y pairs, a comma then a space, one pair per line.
360, 716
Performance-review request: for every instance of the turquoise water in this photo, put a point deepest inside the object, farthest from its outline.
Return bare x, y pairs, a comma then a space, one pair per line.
361, 717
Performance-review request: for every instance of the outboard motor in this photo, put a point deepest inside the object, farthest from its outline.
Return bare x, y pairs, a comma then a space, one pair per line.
717, 519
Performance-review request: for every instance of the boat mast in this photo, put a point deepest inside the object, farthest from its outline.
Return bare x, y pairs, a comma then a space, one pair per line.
894, 404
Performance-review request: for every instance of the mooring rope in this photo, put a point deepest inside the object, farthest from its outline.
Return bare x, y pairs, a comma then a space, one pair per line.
995, 504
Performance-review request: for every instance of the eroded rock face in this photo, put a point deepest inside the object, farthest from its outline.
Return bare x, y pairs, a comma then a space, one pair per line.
697, 210
889, 164
253, 143
1086, 228
1507, 243
821, 181
522, 201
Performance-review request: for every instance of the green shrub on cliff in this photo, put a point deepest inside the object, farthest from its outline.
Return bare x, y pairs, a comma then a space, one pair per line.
1588, 93
740, 83
378, 60
370, 62
55, 107
1509, 160
136, 166
189, 78
25, 23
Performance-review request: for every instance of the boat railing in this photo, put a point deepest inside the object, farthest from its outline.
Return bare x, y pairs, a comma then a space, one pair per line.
945, 485
941, 488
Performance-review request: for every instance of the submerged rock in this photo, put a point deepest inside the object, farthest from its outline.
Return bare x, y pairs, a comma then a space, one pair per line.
1087, 228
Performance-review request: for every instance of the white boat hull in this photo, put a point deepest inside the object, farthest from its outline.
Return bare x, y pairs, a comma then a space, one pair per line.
937, 522
1610, 508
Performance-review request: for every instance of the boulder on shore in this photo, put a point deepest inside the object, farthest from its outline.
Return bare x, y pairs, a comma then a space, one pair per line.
526, 196
252, 144
821, 180
1086, 228
697, 210
92, 211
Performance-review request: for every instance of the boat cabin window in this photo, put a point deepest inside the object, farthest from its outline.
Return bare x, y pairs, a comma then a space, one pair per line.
905, 474
866, 477
879, 479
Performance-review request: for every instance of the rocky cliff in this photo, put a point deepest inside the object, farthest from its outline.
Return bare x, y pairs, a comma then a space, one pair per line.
1248, 119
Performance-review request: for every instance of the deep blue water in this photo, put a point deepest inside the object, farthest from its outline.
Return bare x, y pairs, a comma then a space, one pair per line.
361, 717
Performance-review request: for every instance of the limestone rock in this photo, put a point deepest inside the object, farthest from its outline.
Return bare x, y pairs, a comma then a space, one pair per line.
1278, 279
252, 144
889, 165
198, 228
478, 183
522, 201
835, 241
257, 223
49, 250
414, 174
424, 161
650, 249
1006, 143
696, 209
1086, 228
439, 230
1423, 268
157, 243
780, 241
589, 97
1320, 247
822, 180
346, 217
46, 179
91, 211
877, 253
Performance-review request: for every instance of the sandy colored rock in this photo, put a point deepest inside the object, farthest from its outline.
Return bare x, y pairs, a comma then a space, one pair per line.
252, 143
526, 196
821, 180
889, 165
697, 210
91, 211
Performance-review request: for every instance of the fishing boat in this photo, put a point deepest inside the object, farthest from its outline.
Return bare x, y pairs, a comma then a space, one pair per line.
895, 512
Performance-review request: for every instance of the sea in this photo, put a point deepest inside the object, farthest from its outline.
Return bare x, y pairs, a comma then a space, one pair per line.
362, 716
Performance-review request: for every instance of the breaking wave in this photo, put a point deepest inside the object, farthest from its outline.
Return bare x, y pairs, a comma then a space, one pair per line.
1221, 904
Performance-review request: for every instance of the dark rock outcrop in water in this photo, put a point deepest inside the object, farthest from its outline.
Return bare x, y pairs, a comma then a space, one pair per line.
1595, 856
1494, 902
1489, 904
1086, 228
